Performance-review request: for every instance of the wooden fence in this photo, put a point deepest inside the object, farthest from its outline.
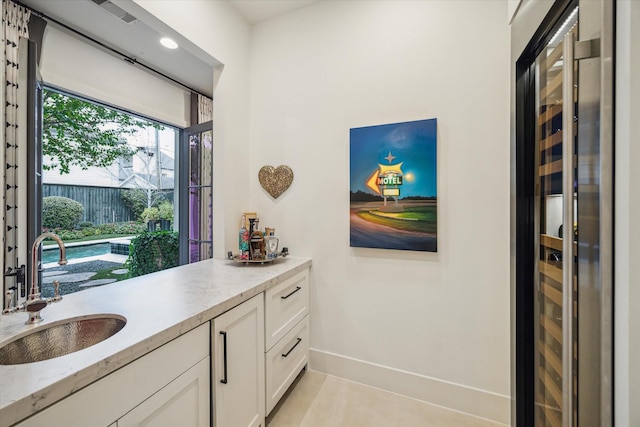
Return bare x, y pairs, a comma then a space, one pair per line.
101, 204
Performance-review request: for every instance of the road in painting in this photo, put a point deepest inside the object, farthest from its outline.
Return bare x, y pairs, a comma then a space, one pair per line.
394, 187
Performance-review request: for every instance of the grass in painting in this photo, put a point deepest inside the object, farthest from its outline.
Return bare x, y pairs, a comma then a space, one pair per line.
421, 219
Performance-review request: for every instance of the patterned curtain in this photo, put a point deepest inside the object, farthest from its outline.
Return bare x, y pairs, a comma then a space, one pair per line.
15, 21
205, 109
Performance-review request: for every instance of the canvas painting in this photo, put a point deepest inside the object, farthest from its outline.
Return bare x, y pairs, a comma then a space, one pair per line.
394, 200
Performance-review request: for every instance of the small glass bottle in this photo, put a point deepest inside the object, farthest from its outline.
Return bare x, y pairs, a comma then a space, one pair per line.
243, 240
271, 243
256, 241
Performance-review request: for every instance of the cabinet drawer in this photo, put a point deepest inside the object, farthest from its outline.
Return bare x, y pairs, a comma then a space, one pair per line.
285, 361
286, 304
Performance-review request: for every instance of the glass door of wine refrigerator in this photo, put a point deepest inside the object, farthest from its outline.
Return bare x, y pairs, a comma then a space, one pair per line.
563, 219
556, 228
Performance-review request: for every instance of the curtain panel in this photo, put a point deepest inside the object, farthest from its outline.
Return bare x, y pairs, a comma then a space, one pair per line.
205, 109
15, 20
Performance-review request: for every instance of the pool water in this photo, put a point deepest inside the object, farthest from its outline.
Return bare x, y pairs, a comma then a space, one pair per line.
53, 255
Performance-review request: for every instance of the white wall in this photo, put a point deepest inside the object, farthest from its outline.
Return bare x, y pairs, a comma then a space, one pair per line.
218, 29
627, 212
71, 63
431, 325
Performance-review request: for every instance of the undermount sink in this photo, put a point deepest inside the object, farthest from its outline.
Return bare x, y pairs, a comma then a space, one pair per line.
60, 338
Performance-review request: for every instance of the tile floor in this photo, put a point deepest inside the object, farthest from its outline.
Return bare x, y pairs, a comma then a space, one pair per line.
319, 400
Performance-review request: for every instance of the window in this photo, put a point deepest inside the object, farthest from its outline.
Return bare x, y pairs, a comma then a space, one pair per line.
108, 177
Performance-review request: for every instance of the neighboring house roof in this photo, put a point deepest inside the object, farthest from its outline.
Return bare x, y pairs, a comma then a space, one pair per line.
137, 180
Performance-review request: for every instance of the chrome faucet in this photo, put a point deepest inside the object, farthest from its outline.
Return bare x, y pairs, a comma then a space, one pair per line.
34, 303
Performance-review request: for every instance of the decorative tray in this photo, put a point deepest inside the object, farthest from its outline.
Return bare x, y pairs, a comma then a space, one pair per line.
236, 258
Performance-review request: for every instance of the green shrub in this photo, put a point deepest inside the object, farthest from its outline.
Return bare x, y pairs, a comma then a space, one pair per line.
84, 232
129, 228
165, 211
153, 251
61, 212
108, 228
150, 214
66, 234
85, 224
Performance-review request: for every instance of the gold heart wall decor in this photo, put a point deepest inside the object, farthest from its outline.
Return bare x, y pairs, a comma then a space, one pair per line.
275, 180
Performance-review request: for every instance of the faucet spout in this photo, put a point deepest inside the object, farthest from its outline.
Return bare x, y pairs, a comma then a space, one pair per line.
34, 303
35, 288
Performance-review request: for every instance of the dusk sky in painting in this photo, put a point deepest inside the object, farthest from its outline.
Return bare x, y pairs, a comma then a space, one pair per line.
413, 143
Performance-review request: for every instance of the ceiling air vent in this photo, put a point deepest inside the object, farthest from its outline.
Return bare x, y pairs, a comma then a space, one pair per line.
115, 11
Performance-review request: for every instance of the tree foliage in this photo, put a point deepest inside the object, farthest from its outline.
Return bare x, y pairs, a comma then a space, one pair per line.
80, 133
138, 199
134, 199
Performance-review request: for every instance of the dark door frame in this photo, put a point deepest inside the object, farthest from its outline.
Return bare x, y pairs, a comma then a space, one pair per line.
184, 185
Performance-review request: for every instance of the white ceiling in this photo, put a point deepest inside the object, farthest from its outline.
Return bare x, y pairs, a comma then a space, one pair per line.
259, 10
139, 40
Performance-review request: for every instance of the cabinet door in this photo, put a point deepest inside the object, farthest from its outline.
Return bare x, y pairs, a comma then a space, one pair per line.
183, 402
238, 365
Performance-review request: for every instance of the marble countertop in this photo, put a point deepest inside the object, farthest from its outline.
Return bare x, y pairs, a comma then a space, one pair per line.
158, 307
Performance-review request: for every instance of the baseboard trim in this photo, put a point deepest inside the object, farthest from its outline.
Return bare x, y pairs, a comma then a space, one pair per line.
457, 397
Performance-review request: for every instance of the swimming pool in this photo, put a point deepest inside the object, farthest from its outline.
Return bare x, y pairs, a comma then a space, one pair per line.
73, 252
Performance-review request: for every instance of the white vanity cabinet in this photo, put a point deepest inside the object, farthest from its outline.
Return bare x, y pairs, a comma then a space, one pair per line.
228, 372
169, 383
287, 335
237, 338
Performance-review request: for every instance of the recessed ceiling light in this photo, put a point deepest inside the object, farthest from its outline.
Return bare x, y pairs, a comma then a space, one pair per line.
168, 43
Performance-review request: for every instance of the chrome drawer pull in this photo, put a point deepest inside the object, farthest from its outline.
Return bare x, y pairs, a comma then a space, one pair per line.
294, 346
293, 292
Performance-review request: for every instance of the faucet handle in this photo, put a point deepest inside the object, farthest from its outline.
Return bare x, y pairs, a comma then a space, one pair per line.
56, 291
8, 301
